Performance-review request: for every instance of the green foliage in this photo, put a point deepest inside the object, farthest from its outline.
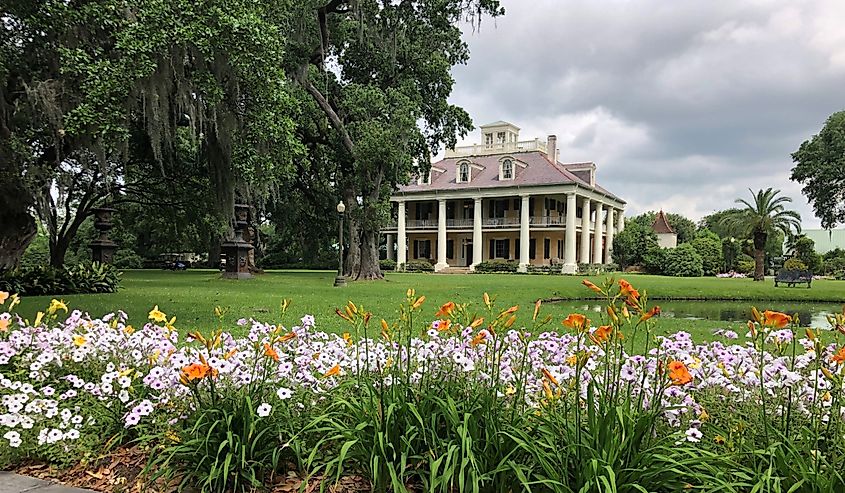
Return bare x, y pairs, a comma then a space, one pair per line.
496, 266
684, 227
683, 261
794, 264
745, 265
715, 222
387, 264
418, 266
820, 168
631, 245
731, 251
655, 260
805, 250
82, 278
709, 247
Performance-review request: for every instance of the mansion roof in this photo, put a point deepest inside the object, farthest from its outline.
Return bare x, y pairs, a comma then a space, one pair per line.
533, 168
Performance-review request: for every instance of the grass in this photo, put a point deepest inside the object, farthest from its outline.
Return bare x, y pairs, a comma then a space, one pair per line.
192, 295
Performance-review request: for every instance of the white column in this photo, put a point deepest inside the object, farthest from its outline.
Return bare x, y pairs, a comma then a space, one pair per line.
608, 245
441, 236
477, 238
620, 221
584, 258
569, 265
391, 254
597, 235
402, 250
524, 232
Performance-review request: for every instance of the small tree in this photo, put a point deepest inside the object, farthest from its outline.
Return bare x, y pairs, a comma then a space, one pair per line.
820, 168
805, 251
709, 247
631, 245
757, 220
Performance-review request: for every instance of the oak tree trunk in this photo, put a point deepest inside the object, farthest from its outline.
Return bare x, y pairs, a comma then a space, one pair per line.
17, 226
369, 268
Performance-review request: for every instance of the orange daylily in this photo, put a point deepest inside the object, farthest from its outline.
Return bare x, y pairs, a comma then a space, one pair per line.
3, 297
334, 371
678, 373
575, 321
602, 333
476, 322
444, 325
510, 321
446, 309
269, 351
776, 319
536, 309
509, 311
479, 338
4, 324
586, 282
628, 291
839, 357
287, 337
229, 354
419, 302
486, 299
655, 310
196, 371
551, 378
342, 315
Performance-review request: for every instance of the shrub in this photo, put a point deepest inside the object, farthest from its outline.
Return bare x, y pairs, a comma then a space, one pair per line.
683, 261
46, 280
655, 260
597, 269
496, 266
794, 264
632, 244
709, 247
418, 266
387, 264
746, 267
126, 258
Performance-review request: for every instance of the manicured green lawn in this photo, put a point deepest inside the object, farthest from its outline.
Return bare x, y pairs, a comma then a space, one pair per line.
192, 295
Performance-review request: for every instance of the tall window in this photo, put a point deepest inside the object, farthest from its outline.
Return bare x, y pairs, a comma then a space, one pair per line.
507, 169
488, 139
500, 138
463, 173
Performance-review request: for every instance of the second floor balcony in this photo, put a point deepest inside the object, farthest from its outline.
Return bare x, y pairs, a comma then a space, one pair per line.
487, 223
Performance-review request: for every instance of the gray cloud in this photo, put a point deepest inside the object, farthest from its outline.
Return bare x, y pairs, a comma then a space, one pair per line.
682, 105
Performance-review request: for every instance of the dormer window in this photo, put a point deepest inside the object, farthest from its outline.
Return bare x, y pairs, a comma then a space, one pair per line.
507, 170
463, 173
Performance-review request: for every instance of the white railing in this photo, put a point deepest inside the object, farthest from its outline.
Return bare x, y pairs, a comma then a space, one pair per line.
501, 148
547, 221
500, 222
421, 224
459, 223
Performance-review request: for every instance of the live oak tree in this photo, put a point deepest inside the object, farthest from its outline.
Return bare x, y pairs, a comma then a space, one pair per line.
379, 70
77, 77
820, 168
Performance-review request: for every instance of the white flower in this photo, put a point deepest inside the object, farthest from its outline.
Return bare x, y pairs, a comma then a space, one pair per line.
264, 410
693, 435
14, 438
284, 393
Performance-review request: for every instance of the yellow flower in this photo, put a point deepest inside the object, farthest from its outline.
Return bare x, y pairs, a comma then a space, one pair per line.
347, 338
169, 324
3, 296
56, 305
129, 330
79, 340
157, 315
38, 317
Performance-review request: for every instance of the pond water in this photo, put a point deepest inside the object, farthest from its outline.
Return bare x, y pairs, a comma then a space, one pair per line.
809, 314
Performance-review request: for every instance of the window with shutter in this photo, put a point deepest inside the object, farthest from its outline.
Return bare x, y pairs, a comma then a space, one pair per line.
532, 248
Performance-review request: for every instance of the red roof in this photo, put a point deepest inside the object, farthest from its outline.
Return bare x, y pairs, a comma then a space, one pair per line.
532, 168
661, 224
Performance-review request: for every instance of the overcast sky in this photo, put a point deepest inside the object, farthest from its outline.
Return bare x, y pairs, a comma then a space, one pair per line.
682, 105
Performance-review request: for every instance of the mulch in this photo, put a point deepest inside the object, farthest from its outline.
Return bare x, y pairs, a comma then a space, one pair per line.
120, 471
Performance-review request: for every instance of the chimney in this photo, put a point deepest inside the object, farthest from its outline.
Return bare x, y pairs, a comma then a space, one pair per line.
551, 148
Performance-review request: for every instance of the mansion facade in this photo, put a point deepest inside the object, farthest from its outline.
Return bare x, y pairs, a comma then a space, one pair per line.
507, 200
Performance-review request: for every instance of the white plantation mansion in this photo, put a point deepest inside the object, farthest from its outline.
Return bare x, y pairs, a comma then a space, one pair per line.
505, 199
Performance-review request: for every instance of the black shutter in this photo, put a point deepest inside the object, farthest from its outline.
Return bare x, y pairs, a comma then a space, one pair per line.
531, 206
491, 209
516, 243
416, 249
516, 204
532, 248
450, 248
547, 247
492, 253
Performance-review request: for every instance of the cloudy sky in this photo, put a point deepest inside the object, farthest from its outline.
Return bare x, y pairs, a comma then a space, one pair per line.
682, 105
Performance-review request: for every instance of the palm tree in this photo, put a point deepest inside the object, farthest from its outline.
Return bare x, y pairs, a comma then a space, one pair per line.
766, 215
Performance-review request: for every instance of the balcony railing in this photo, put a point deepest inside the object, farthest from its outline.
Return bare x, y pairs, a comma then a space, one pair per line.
487, 222
501, 148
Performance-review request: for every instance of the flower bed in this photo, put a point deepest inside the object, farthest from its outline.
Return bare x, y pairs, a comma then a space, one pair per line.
466, 401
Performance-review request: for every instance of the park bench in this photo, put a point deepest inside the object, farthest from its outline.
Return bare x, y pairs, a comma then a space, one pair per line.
793, 277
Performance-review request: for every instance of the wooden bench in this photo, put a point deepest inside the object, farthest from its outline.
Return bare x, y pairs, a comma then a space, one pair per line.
793, 277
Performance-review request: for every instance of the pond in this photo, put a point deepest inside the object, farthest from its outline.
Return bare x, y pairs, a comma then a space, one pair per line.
809, 314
